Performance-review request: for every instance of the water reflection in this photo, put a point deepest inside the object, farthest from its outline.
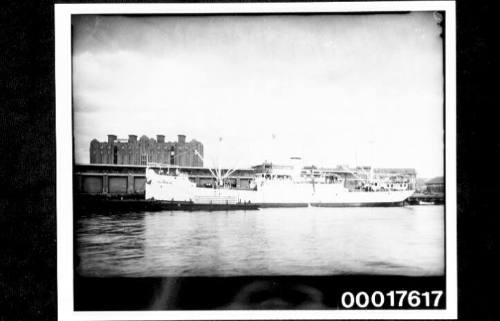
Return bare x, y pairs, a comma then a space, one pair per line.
302, 241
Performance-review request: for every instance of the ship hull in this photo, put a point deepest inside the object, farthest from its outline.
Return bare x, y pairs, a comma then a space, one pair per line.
269, 194
292, 204
366, 204
360, 199
267, 199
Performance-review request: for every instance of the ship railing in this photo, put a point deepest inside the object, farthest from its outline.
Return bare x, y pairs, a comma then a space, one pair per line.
161, 165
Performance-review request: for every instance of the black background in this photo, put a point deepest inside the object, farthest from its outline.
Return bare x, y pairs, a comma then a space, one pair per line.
28, 280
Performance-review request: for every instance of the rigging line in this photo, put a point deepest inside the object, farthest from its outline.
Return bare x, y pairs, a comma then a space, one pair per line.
203, 160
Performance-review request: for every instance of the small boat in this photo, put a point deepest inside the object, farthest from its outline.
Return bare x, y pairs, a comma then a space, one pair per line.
425, 202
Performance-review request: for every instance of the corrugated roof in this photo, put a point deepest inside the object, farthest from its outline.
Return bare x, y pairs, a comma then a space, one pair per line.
435, 180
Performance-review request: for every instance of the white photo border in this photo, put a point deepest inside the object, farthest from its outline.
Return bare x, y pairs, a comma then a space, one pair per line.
64, 134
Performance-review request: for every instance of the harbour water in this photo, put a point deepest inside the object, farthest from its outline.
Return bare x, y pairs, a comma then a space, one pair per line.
273, 241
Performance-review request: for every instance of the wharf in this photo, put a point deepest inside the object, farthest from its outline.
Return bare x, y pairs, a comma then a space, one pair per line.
422, 199
102, 204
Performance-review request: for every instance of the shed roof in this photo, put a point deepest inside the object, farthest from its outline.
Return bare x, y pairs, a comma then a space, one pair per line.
435, 180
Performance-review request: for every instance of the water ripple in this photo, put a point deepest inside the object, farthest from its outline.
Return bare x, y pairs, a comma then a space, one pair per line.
303, 241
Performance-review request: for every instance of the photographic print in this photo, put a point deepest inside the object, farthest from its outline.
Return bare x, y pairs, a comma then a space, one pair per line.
247, 160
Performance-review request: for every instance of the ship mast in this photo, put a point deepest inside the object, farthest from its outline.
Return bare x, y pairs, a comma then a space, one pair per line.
217, 177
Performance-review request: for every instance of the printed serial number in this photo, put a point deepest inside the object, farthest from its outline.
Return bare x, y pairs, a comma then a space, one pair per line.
401, 298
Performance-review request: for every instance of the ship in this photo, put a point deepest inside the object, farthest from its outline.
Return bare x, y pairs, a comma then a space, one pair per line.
277, 186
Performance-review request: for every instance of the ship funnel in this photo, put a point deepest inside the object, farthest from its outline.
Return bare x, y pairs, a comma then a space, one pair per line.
297, 166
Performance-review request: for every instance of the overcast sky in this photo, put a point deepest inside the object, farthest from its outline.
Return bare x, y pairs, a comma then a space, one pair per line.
332, 89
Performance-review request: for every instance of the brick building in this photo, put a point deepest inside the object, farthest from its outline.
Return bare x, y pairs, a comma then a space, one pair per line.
132, 151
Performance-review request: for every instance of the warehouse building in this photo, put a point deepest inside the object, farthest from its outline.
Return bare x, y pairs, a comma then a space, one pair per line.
133, 151
435, 185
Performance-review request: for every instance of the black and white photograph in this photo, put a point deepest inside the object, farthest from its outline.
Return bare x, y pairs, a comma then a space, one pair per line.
226, 160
